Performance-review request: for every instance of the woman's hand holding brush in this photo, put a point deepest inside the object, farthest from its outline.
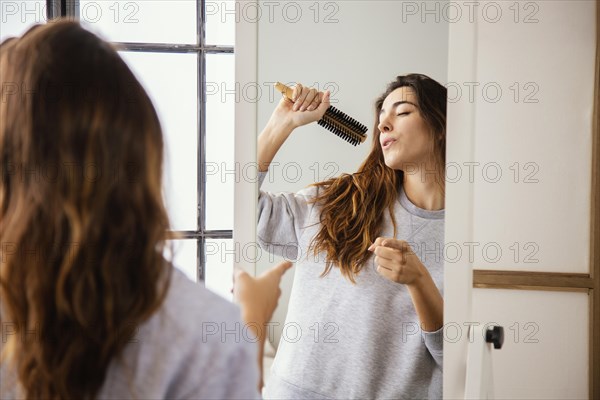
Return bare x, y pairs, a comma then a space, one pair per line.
309, 105
334, 120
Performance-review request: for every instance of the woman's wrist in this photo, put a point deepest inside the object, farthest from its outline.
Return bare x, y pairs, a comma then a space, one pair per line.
270, 141
428, 302
421, 280
278, 129
255, 323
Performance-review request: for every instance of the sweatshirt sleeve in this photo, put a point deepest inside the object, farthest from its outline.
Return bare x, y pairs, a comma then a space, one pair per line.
434, 342
282, 218
232, 373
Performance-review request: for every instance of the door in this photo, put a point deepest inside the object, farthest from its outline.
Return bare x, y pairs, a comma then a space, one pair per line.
523, 195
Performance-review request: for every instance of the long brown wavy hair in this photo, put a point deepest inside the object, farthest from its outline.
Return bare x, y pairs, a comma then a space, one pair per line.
82, 219
353, 205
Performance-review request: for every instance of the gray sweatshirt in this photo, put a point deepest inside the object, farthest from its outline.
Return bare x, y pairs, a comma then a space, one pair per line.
194, 347
344, 341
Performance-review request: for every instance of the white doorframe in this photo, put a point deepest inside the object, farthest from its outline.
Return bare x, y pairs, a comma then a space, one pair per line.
245, 188
460, 144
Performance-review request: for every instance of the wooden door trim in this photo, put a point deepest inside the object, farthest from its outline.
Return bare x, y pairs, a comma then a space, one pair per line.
531, 280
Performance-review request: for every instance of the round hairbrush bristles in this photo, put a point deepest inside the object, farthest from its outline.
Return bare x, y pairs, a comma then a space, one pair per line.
344, 126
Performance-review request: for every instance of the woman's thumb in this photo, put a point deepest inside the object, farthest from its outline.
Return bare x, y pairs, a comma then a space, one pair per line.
324, 102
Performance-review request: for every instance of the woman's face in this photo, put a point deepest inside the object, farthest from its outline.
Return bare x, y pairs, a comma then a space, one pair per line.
404, 139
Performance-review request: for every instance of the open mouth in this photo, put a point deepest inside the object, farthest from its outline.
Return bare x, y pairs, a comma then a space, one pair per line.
387, 143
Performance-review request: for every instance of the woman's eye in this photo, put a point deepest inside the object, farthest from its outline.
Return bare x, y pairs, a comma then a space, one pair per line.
404, 113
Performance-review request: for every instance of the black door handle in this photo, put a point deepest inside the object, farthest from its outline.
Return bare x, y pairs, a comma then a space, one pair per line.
495, 335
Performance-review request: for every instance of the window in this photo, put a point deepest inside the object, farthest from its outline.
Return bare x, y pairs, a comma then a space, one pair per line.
18, 16
182, 51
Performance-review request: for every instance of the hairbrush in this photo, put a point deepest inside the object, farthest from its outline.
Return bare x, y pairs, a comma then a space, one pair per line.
334, 120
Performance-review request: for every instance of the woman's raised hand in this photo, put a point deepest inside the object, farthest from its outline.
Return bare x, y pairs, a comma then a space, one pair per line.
308, 105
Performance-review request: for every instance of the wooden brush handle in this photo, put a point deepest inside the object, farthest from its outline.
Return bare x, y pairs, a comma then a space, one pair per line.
285, 90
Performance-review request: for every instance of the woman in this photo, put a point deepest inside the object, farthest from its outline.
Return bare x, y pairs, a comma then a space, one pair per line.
368, 246
89, 307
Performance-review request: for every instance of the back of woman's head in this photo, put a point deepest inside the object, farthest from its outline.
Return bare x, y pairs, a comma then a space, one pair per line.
353, 206
82, 220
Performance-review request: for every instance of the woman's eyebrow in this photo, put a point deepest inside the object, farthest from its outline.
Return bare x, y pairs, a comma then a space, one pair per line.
396, 104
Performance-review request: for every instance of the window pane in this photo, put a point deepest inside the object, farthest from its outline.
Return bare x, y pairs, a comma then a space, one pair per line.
185, 256
220, 175
18, 16
171, 82
221, 17
155, 21
219, 266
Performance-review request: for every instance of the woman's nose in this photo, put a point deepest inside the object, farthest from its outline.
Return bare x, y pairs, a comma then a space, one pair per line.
384, 126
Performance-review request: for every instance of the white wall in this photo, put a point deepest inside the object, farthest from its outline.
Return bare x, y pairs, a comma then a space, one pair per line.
370, 44
551, 58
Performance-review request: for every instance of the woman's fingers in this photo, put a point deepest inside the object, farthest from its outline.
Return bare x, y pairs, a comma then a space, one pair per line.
279, 270
239, 274
283, 266
391, 243
305, 98
315, 102
297, 91
310, 96
324, 104
387, 273
392, 265
397, 244
309, 106
392, 255
376, 243
300, 97
396, 260
320, 98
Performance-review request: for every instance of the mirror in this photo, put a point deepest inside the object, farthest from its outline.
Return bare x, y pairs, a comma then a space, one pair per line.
353, 49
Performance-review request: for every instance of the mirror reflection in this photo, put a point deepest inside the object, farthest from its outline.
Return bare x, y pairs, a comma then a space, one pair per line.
361, 314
